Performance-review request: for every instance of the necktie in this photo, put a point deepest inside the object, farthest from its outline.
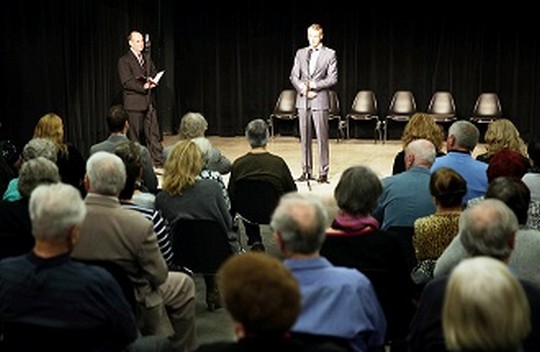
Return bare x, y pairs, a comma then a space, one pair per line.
310, 68
141, 59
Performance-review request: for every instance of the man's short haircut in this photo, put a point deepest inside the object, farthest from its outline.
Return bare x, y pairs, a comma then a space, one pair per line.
106, 173
257, 133
465, 133
54, 210
192, 125
116, 118
40, 147
514, 193
358, 190
36, 172
260, 292
423, 151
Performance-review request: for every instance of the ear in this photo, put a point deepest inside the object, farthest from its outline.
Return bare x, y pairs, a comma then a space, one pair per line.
86, 182
279, 241
450, 142
73, 236
512, 241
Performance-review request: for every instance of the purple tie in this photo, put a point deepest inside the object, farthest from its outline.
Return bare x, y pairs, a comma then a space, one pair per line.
141, 59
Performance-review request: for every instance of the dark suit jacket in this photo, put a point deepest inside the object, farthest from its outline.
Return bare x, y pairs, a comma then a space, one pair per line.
132, 78
325, 76
149, 177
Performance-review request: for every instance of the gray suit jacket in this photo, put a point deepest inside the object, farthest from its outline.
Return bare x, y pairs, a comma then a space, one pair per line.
126, 237
149, 177
325, 76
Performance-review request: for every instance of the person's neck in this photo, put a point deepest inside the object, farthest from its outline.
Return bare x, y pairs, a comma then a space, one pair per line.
118, 133
303, 256
450, 210
258, 150
46, 249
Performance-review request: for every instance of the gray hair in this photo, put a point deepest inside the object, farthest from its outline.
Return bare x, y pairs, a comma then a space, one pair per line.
257, 133
465, 133
358, 190
54, 210
35, 172
205, 147
106, 173
486, 229
192, 125
300, 219
40, 147
423, 150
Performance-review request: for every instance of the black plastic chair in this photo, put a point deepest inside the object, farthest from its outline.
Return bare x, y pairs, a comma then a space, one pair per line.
334, 113
486, 109
402, 107
442, 107
285, 109
365, 108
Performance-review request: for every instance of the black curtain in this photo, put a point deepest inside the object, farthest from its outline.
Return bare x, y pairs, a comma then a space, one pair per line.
229, 61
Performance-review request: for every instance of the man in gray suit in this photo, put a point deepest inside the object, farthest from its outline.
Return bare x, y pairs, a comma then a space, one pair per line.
109, 232
314, 72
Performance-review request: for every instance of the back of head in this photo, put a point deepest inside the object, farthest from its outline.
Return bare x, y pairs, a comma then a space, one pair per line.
106, 173
488, 229
192, 125
485, 308
38, 146
506, 162
130, 153
358, 190
260, 293
300, 220
448, 187
54, 210
423, 151
257, 133
422, 125
36, 172
51, 126
502, 134
116, 118
205, 148
182, 167
466, 134
514, 193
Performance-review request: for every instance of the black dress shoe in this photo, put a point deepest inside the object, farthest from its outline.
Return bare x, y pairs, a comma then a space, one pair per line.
323, 179
304, 177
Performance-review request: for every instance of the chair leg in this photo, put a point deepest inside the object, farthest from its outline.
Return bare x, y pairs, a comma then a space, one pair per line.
213, 301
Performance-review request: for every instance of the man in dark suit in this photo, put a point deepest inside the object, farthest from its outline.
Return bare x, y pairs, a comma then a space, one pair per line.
136, 69
313, 74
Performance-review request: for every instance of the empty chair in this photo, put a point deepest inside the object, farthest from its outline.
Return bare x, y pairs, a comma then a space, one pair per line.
402, 107
364, 108
285, 108
487, 108
442, 107
334, 113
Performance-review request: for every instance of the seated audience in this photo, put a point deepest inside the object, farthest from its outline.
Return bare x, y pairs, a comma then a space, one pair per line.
263, 300
165, 299
406, 196
420, 126
117, 122
532, 180
486, 229
337, 302
502, 134
355, 240
259, 164
193, 126
470, 323
462, 139
15, 226
433, 233
69, 159
45, 289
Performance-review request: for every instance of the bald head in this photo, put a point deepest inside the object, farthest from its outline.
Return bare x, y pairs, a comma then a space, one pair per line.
420, 152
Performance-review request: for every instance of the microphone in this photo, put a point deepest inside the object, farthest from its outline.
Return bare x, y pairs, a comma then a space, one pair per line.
147, 42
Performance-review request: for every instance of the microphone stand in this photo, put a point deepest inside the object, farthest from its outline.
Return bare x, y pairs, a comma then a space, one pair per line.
307, 116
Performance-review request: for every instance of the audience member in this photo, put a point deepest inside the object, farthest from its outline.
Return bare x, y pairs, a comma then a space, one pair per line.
336, 301
525, 256
433, 233
193, 125
263, 299
69, 159
127, 238
15, 226
186, 196
259, 164
406, 196
130, 153
45, 288
354, 240
462, 139
486, 229
502, 134
532, 180
470, 323
35, 147
117, 122
420, 126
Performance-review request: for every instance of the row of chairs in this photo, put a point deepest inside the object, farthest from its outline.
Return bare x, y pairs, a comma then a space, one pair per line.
402, 106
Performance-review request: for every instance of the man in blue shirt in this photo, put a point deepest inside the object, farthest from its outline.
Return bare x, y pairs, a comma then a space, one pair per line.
336, 301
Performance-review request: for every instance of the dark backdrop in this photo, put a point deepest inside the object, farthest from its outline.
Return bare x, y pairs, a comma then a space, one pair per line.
230, 63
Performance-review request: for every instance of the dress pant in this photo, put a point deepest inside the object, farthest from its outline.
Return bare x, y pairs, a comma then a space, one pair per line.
144, 128
319, 120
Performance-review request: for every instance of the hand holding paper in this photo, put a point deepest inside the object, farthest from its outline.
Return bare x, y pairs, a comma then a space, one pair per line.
157, 77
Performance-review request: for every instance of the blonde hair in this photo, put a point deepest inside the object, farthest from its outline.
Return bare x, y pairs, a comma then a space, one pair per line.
182, 167
503, 134
50, 126
485, 308
422, 126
